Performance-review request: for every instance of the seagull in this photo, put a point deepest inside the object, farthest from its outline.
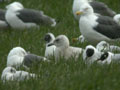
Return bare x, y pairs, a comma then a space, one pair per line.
16, 56
49, 51
91, 54
11, 74
97, 28
80, 39
116, 18
104, 46
19, 17
19, 57
64, 50
99, 7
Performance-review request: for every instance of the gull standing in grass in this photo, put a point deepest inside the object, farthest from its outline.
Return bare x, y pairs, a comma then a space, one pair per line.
49, 51
19, 17
91, 54
64, 50
99, 7
11, 74
18, 57
97, 28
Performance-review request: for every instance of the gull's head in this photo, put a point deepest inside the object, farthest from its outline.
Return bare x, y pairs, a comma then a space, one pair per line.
15, 6
103, 46
49, 38
9, 70
85, 9
61, 41
17, 51
105, 58
90, 54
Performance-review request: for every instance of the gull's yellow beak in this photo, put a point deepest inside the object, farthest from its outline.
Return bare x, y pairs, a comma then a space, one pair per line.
74, 39
79, 13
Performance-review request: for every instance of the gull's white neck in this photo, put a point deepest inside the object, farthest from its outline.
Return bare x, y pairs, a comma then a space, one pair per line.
89, 19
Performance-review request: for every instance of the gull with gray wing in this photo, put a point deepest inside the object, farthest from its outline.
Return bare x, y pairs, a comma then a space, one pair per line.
97, 28
19, 17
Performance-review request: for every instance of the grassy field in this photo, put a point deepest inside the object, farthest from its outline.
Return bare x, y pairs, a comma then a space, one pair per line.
65, 75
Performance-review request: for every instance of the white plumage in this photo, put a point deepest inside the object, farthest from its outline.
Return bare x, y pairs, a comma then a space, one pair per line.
49, 51
10, 74
11, 17
76, 6
16, 57
117, 18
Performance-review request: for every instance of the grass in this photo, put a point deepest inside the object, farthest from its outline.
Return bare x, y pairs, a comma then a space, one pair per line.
65, 75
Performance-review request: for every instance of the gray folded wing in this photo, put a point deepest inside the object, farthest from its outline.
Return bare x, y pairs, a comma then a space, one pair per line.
32, 59
34, 16
102, 9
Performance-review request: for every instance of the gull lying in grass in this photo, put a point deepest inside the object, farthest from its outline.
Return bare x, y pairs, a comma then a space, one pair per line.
18, 57
91, 54
64, 50
49, 51
11, 74
19, 17
104, 46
